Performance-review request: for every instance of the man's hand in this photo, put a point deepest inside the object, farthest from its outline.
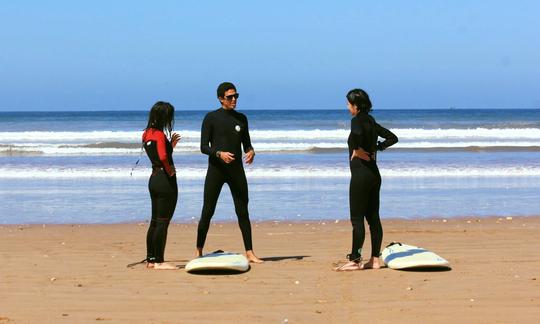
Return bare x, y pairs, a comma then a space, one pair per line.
361, 154
227, 157
248, 158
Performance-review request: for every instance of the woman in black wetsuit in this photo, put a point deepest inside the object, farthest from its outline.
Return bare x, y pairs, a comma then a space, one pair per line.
365, 182
159, 141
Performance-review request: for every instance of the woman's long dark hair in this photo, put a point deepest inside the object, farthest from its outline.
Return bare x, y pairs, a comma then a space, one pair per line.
360, 99
161, 117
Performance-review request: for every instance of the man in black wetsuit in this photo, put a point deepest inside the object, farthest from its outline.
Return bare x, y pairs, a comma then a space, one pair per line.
224, 132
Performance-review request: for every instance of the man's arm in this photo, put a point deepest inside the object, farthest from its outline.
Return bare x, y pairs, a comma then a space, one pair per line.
246, 143
206, 136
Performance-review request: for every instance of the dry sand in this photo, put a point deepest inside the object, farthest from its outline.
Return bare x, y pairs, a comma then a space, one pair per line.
78, 274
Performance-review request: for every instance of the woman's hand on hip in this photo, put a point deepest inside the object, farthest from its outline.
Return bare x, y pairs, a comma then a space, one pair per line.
361, 154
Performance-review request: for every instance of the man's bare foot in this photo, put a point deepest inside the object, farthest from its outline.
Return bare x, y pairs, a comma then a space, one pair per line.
199, 252
373, 263
149, 265
349, 266
252, 258
164, 266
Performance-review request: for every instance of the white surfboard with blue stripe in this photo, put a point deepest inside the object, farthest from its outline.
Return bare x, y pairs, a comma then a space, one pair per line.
219, 261
403, 256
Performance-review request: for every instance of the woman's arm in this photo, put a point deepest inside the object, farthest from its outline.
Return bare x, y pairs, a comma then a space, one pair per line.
162, 153
389, 137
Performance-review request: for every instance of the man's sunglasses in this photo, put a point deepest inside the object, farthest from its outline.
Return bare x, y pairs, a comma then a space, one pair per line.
230, 97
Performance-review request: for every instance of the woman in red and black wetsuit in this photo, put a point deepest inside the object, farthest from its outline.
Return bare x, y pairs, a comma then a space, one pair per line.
162, 184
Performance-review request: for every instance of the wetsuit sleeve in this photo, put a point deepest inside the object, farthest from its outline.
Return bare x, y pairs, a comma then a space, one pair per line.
389, 137
246, 140
206, 135
162, 152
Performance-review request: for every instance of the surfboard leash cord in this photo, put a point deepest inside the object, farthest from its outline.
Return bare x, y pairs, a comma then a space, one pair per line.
131, 265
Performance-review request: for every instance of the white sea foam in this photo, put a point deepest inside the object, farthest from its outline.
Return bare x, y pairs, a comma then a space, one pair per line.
126, 142
68, 137
65, 149
269, 135
474, 133
284, 172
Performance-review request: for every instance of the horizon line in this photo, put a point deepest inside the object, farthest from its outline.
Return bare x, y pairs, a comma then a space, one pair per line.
260, 109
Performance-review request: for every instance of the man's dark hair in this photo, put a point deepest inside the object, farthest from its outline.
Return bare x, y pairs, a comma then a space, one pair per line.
224, 87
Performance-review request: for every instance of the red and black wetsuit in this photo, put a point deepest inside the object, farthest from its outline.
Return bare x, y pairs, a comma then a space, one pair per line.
163, 192
226, 131
365, 182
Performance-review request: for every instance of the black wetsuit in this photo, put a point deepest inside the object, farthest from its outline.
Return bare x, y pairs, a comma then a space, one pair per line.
225, 131
366, 181
163, 192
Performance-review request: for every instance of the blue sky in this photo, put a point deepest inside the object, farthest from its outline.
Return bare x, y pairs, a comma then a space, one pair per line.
125, 55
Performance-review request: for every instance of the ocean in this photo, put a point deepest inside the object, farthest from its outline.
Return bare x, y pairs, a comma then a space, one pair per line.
76, 167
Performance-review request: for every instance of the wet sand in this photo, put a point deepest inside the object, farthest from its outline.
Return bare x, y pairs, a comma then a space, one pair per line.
78, 274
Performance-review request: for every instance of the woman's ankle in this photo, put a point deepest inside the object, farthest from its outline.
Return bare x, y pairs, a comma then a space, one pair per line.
356, 258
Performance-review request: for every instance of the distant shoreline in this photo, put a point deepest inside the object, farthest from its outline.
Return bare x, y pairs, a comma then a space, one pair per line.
471, 218
179, 109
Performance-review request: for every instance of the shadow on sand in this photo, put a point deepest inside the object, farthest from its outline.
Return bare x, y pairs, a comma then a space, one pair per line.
218, 272
281, 258
427, 269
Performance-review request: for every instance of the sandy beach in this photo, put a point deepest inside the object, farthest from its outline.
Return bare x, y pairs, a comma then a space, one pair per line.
78, 273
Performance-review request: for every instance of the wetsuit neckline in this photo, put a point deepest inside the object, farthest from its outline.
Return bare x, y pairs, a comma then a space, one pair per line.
226, 110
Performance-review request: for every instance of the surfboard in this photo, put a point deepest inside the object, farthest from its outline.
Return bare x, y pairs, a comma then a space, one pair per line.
218, 261
402, 256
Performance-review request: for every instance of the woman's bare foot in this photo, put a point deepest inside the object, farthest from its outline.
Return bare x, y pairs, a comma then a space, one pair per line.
150, 265
349, 266
164, 266
252, 258
373, 263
